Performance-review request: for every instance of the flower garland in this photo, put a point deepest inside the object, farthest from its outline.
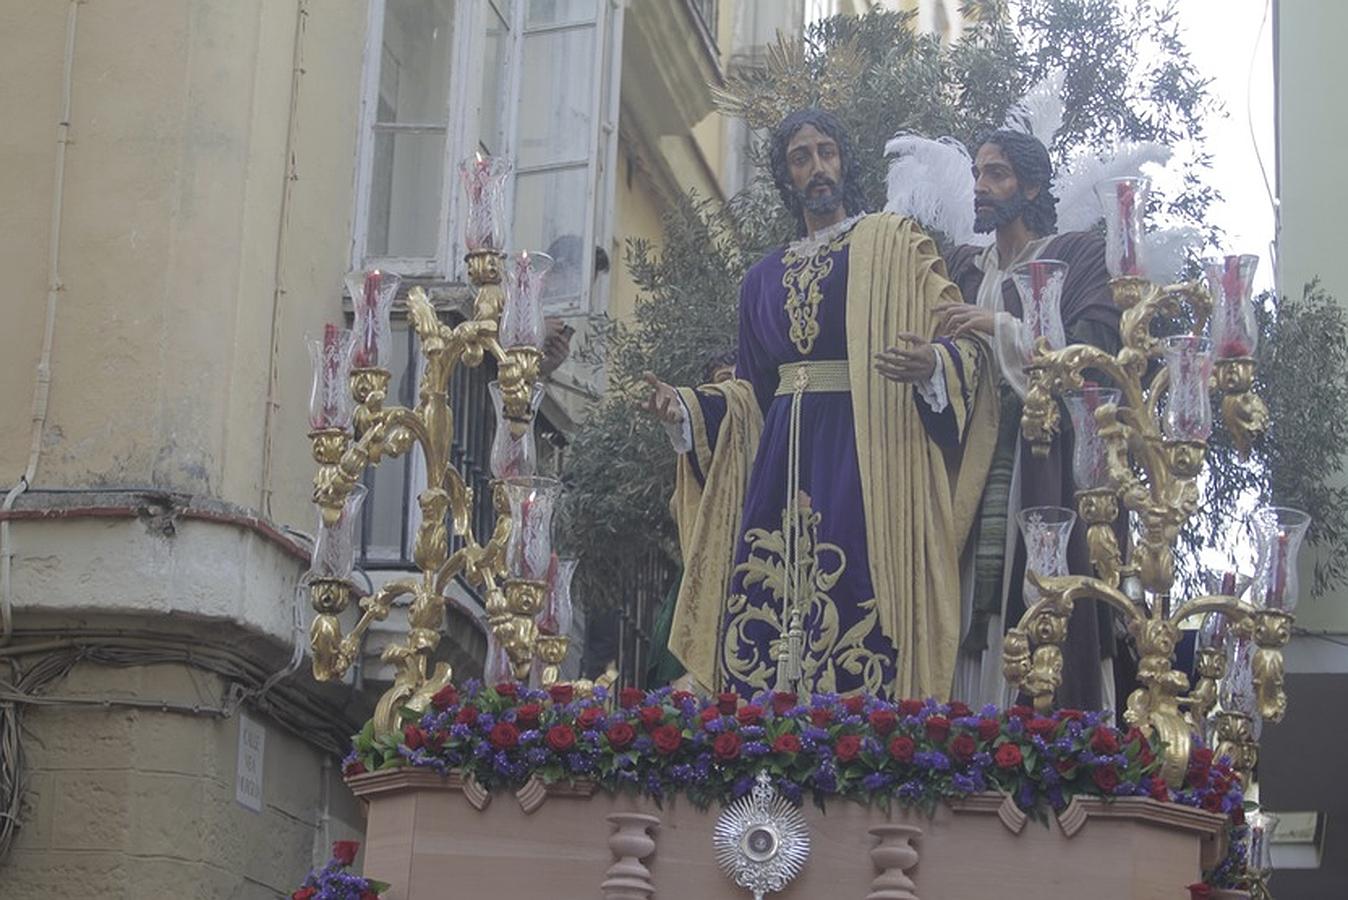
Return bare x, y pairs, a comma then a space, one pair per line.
332, 882
860, 748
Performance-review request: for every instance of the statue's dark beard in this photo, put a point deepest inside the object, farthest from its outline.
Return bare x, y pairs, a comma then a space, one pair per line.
821, 203
1002, 212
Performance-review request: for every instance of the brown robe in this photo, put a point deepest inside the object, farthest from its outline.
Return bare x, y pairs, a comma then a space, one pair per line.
1089, 317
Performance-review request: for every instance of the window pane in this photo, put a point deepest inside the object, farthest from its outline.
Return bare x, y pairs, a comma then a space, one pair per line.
385, 511
550, 215
560, 12
556, 95
405, 194
494, 52
414, 68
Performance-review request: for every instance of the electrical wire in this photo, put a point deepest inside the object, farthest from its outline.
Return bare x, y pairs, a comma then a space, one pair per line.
325, 726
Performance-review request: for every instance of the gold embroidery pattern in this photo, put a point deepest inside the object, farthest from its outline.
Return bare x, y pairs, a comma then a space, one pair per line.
805, 272
826, 650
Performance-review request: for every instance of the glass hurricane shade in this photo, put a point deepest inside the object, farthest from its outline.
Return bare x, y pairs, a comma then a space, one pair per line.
372, 294
1039, 283
1279, 532
1124, 201
330, 403
557, 613
522, 323
1046, 531
1090, 470
334, 547
1235, 329
529, 549
484, 179
513, 457
1188, 409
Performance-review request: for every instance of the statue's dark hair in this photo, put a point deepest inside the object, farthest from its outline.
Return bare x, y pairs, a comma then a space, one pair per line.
852, 199
1030, 160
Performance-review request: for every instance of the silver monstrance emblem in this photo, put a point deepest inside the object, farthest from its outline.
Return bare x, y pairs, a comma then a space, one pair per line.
761, 840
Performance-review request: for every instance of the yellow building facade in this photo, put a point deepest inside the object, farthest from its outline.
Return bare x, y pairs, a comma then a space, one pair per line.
186, 183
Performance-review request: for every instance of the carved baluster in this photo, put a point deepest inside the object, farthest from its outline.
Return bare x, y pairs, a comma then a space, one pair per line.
627, 878
894, 857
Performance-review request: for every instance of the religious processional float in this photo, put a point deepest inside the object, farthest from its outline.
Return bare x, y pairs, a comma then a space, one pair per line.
521, 784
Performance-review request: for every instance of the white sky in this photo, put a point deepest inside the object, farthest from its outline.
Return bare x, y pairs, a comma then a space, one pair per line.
1231, 42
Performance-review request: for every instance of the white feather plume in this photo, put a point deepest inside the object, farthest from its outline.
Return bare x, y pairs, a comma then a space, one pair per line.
1166, 250
1078, 207
931, 182
1040, 111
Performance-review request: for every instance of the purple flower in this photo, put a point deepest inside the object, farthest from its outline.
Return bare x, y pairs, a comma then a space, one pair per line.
965, 784
877, 781
755, 748
742, 787
910, 790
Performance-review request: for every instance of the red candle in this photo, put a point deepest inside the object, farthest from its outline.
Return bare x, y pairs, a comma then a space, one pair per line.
332, 365
1237, 342
1127, 211
367, 353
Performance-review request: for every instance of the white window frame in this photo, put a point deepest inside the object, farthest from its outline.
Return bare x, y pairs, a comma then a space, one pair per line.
461, 140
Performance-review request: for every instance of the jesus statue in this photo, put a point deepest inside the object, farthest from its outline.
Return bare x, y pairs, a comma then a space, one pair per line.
825, 493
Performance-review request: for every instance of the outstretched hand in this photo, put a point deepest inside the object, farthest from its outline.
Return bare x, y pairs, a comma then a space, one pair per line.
911, 361
663, 402
960, 319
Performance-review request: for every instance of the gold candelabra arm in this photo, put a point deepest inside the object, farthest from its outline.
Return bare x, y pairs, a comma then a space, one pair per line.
1155, 300
1243, 411
1272, 631
332, 653
1235, 739
1100, 511
1032, 655
551, 650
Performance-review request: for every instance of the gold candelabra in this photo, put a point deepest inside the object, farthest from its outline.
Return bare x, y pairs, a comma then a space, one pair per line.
514, 594
1153, 456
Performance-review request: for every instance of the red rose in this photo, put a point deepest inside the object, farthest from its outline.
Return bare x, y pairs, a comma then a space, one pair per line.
1041, 726
667, 739
938, 729
783, 703
1200, 758
304, 894
414, 737
883, 721
630, 697
1212, 802
1021, 712
708, 715
854, 704
621, 735
1159, 790
787, 743
356, 767
527, 715
1106, 778
727, 703
1065, 767
504, 736
589, 717
651, 716
446, 697
988, 729
821, 717
561, 738
561, 694
508, 689
963, 747
847, 748
1199, 891
902, 748
1070, 715
727, 746
959, 710
679, 698
910, 707
1105, 741
345, 851
1007, 756
466, 716
750, 715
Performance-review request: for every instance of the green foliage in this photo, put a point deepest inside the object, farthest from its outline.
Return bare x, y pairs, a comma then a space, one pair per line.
1304, 374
